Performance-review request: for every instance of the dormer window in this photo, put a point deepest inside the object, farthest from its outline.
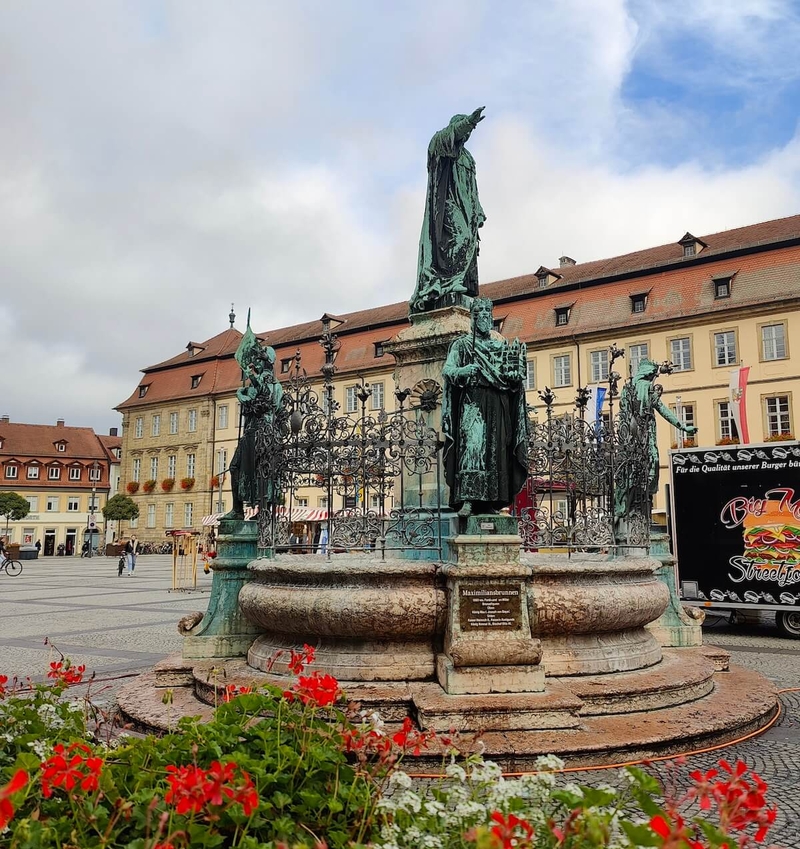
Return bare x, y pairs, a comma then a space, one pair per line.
690, 250
12, 471
722, 286
379, 352
497, 324
61, 446
543, 281
546, 276
638, 302
54, 473
562, 316
196, 378
286, 365
691, 245
143, 390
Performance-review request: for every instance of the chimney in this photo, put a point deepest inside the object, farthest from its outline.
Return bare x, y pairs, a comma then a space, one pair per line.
4, 420
59, 422
112, 431
566, 260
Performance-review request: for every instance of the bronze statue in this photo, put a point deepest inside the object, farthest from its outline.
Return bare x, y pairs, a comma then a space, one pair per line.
484, 417
448, 245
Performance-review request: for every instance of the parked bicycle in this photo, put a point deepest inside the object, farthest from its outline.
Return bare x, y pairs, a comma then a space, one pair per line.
11, 567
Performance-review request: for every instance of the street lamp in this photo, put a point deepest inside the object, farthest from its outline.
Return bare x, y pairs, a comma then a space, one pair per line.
92, 524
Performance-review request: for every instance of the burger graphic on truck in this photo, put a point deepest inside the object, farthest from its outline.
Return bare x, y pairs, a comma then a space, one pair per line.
773, 536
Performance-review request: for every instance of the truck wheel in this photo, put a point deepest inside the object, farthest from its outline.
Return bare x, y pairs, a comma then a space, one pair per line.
788, 623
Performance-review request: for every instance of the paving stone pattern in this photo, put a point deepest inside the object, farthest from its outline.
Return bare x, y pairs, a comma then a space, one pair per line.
119, 626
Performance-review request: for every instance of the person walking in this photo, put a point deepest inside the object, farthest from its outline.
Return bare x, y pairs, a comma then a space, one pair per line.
131, 550
38, 547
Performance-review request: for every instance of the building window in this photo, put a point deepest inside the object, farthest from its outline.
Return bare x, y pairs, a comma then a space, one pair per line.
196, 378
301, 502
530, 374
138, 429
725, 348
192, 423
52, 504
188, 514
93, 503
137, 468
778, 416
61, 446
598, 366
497, 325
151, 515
379, 352
636, 353
773, 341
286, 365
222, 460
12, 472
638, 303
542, 281
322, 502
54, 473
222, 416
75, 473
685, 414
153, 468
562, 316
562, 370
722, 288
143, 390
680, 353
726, 425
173, 423
73, 505
133, 523
33, 501
33, 472
95, 474
376, 399
169, 515
190, 464
351, 403
172, 466
690, 249
155, 426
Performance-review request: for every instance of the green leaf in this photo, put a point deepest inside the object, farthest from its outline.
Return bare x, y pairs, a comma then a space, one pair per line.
640, 835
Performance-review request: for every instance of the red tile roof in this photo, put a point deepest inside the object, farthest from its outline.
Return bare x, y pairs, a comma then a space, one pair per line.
31, 440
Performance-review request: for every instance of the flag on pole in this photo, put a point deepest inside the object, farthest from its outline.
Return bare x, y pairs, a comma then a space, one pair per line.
739, 401
597, 397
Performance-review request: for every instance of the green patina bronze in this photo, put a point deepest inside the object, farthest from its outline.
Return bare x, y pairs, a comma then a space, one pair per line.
639, 402
448, 245
260, 398
484, 417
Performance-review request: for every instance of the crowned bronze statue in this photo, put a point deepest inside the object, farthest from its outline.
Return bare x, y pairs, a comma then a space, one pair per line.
484, 417
260, 399
448, 245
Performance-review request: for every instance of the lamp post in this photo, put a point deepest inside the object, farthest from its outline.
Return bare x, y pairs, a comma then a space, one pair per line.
92, 524
679, 413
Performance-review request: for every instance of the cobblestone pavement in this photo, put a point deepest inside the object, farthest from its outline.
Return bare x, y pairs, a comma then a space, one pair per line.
119, 626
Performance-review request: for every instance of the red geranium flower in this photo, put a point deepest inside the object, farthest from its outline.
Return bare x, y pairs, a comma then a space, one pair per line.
62, 671
193, 788
3, 682
318, 689
68, 768
16, 784
409, 739
231, 691
300, 659
510, 831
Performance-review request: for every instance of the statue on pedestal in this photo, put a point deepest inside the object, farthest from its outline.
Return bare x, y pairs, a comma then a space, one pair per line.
484, 417
448, 245
260, 399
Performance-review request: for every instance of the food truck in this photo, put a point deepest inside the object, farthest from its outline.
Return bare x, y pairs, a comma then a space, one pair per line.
735, 521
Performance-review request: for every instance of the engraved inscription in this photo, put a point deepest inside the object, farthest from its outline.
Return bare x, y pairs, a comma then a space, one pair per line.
490, 606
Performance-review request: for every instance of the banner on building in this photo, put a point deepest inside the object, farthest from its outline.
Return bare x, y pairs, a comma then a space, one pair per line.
739, 402
597, 397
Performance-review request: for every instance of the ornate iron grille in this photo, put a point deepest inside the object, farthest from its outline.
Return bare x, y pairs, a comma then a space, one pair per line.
382, 467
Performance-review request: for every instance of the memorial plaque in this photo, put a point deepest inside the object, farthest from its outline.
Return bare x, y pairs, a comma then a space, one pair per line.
490, 606
488, 526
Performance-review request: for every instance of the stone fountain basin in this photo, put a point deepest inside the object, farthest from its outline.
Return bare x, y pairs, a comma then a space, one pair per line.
385, 620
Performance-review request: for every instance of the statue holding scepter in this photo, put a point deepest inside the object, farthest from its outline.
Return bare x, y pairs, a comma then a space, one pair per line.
448, 245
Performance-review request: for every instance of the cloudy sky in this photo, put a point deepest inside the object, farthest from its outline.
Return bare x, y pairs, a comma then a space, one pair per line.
159, 160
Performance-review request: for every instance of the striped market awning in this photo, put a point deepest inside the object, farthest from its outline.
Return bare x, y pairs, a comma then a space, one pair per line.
298, 514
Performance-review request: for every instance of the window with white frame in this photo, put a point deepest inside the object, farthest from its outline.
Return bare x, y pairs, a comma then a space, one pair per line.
778, 415
134, 523
153, 468
33, 472
155, 426
220, 508
169, 515
95, 474
190, 465
33, 503
61, 447
726, 425
75, 473
151, 515
562, 370
322, 502
172, 465
636, 353
351, 401
598, 366
94, 502
301, 502
222, 460
684, 414
173, 423
725, 348
222, 416
137, 468
12, 471
773, 342
73, 505
138, 428
188, 514
54, 473
52, 505
376, 399
530, 374
192, 421
680, 353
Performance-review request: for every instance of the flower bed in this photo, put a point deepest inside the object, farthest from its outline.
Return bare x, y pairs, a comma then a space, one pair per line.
298, 768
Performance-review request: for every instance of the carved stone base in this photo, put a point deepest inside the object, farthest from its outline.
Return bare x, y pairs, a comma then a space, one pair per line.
471, 680
594, 654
